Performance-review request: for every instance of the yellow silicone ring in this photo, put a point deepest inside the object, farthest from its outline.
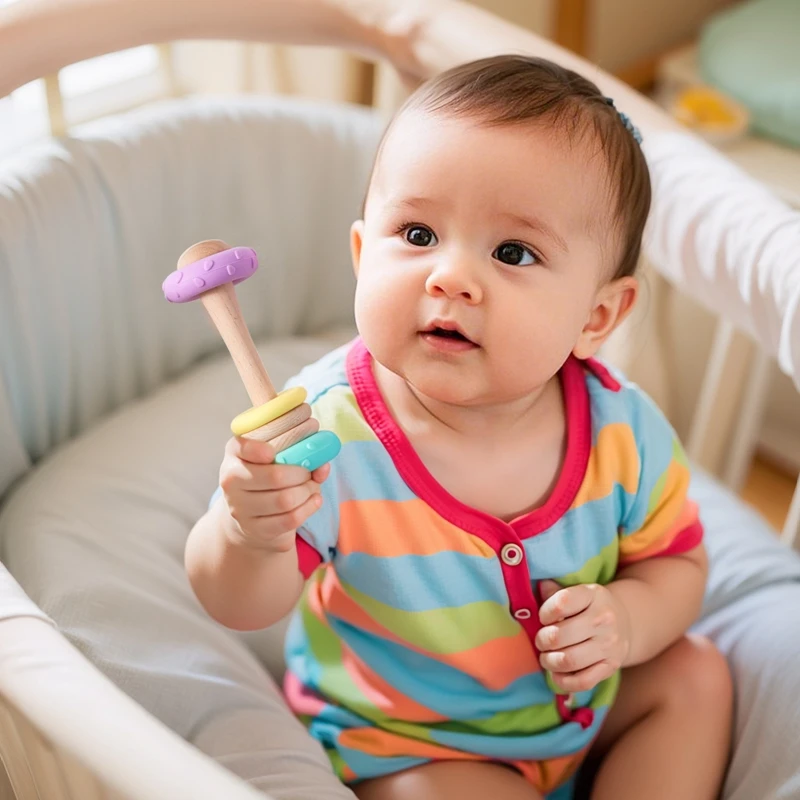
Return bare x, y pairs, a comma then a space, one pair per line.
257, 416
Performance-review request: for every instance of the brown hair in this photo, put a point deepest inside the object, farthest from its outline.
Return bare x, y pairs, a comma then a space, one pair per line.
514, 89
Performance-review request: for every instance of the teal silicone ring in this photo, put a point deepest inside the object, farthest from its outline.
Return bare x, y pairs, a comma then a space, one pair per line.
312, 452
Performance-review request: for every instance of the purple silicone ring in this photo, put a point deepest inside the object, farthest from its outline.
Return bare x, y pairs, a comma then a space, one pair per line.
229, 266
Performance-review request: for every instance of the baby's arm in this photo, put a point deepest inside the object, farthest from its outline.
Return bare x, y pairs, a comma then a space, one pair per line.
241, 556
590, 631
661, 597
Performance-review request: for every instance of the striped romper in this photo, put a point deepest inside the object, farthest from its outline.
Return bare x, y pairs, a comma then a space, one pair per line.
414, 639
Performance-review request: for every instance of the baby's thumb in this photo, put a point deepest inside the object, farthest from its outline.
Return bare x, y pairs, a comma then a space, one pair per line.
547, 589
253, 451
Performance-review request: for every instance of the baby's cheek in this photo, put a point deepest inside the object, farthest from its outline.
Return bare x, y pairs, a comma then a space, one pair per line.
378, 322
535, 345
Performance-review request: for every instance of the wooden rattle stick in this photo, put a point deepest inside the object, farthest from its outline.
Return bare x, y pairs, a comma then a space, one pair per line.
208, 270
222, 306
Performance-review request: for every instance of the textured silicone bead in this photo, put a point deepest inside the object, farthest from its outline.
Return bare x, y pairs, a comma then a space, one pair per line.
229, 266
313, 452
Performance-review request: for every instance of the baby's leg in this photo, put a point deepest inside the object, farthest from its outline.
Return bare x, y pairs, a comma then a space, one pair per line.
668, 734
442, 780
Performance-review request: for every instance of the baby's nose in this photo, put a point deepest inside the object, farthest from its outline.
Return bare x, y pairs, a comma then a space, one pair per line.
454, 281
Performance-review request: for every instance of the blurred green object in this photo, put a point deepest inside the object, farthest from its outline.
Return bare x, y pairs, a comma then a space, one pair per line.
752, 53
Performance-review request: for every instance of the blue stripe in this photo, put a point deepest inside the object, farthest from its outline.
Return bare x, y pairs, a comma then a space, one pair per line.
608, 408
422, 583
564, 792
339, 717
655, 439
367, 766
577, 537
325, 373
298, 655
563, 740
365, 471
436, 685
361, 471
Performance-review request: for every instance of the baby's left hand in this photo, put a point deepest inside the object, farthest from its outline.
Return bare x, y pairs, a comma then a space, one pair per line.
585, 636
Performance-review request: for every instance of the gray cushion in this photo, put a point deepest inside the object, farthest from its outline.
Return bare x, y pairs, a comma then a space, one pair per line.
752, 612
744, 551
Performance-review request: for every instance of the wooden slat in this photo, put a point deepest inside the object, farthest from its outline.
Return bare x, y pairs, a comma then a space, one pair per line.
281, 66
571, 25
362, 80
55, 105
791, 529
640, 75
167, 65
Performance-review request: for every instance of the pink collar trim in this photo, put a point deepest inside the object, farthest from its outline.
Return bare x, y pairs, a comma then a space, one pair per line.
422, 483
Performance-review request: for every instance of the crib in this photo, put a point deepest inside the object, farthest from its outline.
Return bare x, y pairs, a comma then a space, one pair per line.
114, 408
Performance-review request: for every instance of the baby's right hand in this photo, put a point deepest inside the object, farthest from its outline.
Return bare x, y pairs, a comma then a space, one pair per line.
267, 502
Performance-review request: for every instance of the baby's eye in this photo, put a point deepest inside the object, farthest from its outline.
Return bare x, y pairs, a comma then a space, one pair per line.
420, 236
515, 254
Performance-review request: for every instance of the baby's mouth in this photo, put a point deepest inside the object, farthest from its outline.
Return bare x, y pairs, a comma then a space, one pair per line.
448, 337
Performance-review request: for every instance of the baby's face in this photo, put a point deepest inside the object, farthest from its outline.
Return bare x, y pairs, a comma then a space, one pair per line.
480, 256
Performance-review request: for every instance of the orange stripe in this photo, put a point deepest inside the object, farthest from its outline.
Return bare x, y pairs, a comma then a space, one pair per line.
378, 742
549, 773
635, 548
383, 695
495, 664
498, 663
314, 596
614, 459
389, 528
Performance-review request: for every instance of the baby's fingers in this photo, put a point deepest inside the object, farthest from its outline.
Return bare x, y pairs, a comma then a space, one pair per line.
565, 603
565, 634
321, 474
584, 679
251, 451
572, 659
272, 525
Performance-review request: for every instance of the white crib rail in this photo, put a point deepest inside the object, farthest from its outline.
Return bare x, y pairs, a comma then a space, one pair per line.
791, 528
723, 377
68, 746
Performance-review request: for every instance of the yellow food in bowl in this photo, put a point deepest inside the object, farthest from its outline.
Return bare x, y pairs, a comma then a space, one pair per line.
710, 113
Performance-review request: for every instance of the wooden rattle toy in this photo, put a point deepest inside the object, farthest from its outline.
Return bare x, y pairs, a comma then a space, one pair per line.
209, 270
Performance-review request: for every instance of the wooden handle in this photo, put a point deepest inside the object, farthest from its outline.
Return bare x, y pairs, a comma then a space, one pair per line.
223, 308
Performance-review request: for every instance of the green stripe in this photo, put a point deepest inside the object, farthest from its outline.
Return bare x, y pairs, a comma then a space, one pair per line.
338, 411
335, 683
658, 491
598, 569
526, 721
442, 630
678, 453
606, 691
337, 762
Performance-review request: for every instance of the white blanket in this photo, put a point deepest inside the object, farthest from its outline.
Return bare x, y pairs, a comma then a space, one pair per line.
727, 241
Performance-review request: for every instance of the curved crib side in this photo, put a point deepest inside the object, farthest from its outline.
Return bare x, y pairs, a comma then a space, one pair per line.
67, 745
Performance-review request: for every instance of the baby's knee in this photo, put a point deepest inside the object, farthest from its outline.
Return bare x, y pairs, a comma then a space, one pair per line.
698, 676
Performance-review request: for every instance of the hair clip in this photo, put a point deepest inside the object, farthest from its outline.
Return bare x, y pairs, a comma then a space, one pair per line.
626, 121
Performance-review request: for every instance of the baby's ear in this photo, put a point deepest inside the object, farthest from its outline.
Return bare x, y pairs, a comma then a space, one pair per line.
614, 302
356, 240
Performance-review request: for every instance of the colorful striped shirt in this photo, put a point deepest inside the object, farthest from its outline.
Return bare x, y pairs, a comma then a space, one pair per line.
414, 639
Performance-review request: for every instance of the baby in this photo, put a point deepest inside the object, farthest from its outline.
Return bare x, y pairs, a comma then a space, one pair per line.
496, 573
